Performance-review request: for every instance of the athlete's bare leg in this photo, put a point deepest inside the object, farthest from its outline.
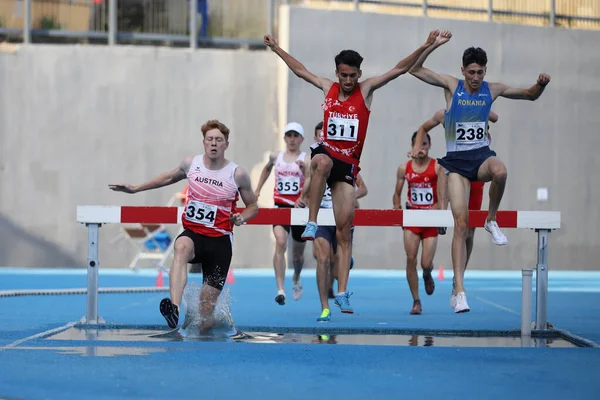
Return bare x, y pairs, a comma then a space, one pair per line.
411, 245
428, 252
281, 237
343, 196
470, 239
297, 258
493, 170
184, 253
322, 249
320, 165
458, 192
208, 300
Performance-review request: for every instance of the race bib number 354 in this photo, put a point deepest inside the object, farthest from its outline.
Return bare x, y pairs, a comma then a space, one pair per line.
470, 132
201, 213
342, 129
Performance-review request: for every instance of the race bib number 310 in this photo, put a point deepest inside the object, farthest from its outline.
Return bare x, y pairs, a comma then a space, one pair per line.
342, 129
470, 132
421, 196
201, 213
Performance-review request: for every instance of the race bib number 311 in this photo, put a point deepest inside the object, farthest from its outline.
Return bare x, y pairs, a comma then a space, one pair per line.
342, 129
470, 132
201, 213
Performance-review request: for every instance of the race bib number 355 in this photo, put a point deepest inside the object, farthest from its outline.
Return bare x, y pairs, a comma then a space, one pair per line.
288, 185
421, 196
201, 213
470, 132
342, 129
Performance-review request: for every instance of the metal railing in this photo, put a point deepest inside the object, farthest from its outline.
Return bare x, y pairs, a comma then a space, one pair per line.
235, 23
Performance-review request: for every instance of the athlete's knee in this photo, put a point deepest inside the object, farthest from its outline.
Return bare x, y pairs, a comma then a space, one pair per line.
411, 261
280, 244
461, 225
321, 163
298, 259
183, 248
499, 172
343, 235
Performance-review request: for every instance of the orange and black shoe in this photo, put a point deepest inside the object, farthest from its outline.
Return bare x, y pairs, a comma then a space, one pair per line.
416, 309
428, 280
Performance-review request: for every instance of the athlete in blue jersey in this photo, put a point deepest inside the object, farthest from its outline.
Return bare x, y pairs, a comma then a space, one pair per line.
469, 157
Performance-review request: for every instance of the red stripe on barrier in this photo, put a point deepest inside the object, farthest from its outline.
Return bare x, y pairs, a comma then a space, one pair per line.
378, 218
505, 219
149, 215
271, 216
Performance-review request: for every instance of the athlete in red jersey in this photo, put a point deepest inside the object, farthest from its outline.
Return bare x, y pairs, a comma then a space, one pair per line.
421, 175
475, 193
289, 167
335, 160
208, 219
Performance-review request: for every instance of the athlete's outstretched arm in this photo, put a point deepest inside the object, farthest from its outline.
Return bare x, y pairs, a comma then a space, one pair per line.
435, 120
264, 175
297, 67
242, 179
428, 76
168, 178
361, 187
396, 201
532, 93
372, 84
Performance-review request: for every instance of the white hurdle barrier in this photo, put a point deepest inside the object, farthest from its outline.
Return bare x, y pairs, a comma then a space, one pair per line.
541, 221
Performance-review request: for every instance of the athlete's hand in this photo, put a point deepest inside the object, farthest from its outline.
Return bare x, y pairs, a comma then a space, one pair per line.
302, 166
236, 219
414, 153
270, 42
443, 37
543, 79
300, 203
432, 36
123, 187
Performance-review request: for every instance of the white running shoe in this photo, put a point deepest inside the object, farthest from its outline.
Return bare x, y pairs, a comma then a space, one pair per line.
452, 300
297, 290
461, 305
498, 237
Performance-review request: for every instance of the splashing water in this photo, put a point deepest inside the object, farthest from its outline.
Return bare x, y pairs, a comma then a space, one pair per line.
224, 321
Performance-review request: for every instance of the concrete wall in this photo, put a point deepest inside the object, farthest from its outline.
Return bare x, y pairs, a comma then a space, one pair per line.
74, 119
549, 143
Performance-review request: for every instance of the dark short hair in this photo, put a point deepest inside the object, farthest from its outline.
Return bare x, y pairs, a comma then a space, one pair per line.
474, 55
319, 127
414, 136
348, 57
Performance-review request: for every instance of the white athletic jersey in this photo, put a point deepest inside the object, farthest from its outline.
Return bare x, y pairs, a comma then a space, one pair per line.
326, 201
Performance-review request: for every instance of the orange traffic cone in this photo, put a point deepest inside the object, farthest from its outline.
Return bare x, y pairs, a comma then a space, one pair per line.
230, 278
441, 273
160, 281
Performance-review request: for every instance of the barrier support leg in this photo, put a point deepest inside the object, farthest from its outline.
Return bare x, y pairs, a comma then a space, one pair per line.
541, 304
91, 316
526, 307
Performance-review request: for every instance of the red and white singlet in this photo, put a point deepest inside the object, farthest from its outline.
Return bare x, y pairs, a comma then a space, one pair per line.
289, 180
211, 198
422, 187
345, 125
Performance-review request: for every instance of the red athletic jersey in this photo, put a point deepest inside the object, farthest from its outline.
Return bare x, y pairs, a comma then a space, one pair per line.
212, 196
422, 187
345, 125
